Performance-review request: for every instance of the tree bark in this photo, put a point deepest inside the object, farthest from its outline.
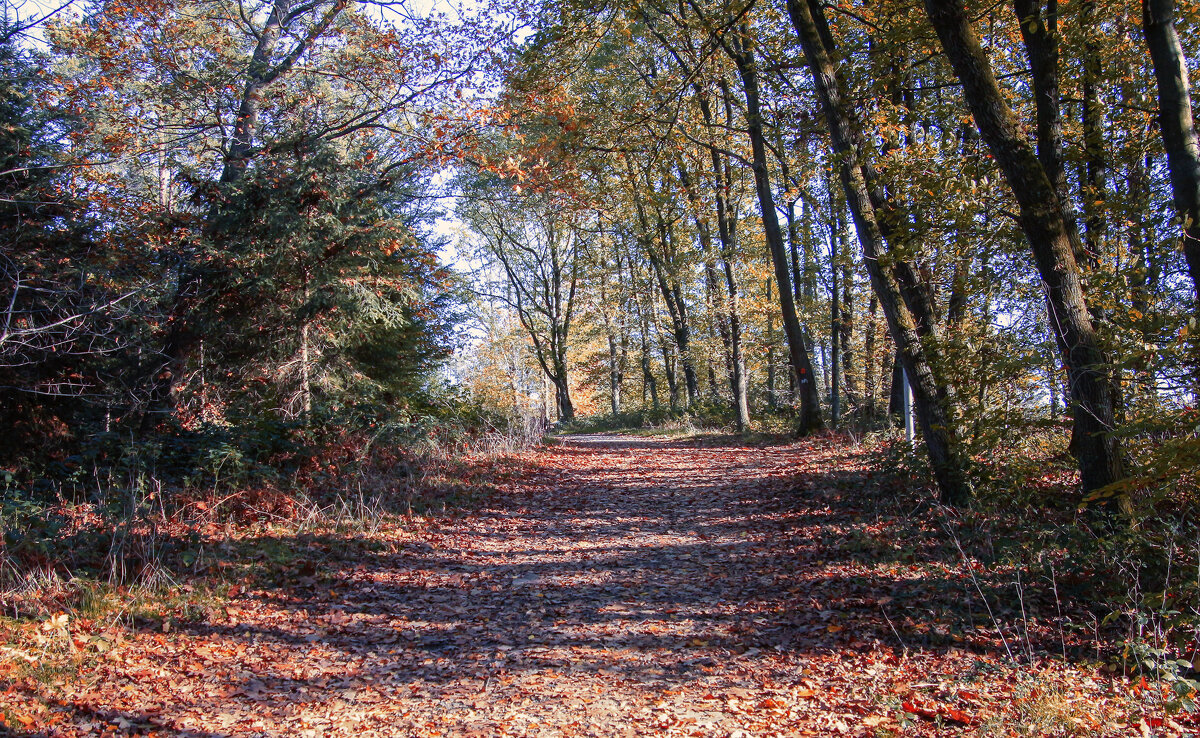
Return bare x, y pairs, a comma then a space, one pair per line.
938, 425
870, 376
614, 363
669, 370
643, 305
849, 367
810, 402
727, 308
772, 396
727, 233
1039, 31
1043, 218
1177, 124
835, 327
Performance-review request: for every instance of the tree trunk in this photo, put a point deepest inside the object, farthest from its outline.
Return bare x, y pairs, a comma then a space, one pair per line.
1177, 124
614, 375
726, 309
669, 370
1141, 276
738, 383
835, 326
870, 377
772, 397
562, 399
614, 358
648, 380
1039, 31
849, 369
895, 386
727, 233
938, 425
1044, 220
672, 293
810, 402
305, 377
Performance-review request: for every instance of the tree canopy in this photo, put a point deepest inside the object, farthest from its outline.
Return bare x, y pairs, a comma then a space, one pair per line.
762, 214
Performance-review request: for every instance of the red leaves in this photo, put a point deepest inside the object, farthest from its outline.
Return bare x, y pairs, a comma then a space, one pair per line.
933, 710
635, 586
911, 706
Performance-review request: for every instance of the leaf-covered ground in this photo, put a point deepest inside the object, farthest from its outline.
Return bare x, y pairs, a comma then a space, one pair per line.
624, 587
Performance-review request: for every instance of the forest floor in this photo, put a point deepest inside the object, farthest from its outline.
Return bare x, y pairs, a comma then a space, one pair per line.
613, 586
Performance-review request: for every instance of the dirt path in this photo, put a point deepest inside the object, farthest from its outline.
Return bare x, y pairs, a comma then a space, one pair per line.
631, 587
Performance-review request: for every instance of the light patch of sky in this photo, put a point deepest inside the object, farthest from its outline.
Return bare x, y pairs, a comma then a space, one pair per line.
35, 13
452, 231
448, 228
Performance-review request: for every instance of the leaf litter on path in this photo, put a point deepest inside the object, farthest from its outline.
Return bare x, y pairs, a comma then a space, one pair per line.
627, 587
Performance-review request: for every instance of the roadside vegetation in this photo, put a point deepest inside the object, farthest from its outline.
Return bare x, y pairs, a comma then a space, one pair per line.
288, 287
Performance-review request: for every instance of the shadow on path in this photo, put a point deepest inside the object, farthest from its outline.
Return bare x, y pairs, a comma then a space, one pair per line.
627, 572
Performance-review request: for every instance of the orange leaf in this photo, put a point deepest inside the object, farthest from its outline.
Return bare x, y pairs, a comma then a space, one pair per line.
958, 716
915, 709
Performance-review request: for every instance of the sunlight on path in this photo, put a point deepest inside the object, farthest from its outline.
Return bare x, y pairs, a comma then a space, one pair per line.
632, 587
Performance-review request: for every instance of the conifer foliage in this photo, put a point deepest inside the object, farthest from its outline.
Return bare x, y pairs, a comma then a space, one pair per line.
789, 215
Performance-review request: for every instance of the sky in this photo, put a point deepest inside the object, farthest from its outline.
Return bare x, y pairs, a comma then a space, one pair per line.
450, 230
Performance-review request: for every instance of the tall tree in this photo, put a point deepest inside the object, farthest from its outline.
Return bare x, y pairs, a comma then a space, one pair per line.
739, 45
1178, 126
908, 320
285, 35
1044, 220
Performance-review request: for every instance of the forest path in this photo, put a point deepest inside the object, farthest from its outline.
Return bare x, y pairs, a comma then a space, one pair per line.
625, 587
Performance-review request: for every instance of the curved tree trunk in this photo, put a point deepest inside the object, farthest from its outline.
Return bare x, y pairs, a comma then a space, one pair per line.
1043, 218
933, 396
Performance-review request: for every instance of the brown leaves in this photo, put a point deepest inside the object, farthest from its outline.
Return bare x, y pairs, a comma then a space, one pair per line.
614, 587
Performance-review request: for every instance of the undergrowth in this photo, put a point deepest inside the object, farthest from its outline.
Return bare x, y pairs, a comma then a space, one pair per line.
166, 526
1116, 585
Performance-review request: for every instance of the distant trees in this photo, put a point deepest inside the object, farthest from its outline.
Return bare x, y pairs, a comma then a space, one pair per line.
537, 247
1017, 275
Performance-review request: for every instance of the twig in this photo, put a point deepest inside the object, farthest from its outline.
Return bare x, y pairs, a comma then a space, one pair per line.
979, 589
1058, 606
893, 627
1024, 616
